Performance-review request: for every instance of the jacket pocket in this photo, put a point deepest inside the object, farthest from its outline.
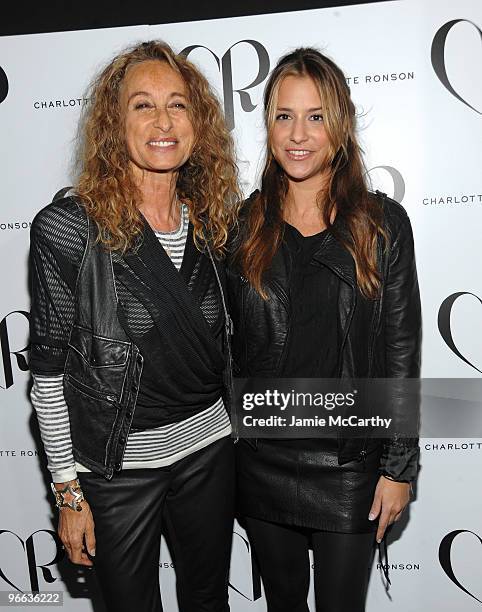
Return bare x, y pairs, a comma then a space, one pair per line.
95, 365
93, 416
84, 390
97, 351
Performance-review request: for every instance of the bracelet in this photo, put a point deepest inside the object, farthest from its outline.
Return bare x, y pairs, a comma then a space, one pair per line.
68, 497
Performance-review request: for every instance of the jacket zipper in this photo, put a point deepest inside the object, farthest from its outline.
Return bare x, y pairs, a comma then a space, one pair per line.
376, 314
282, 295
373, 332
362, 454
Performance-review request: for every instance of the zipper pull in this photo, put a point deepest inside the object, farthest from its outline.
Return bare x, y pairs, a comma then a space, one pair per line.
362, 456
235, 428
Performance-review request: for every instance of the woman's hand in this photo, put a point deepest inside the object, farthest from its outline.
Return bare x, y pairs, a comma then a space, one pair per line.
389, 501
76, 530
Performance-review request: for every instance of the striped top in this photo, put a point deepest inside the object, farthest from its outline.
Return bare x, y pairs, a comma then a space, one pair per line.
174, 242
149, 448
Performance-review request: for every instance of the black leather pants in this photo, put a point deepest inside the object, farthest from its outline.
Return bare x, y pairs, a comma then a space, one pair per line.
191, 501
341, 566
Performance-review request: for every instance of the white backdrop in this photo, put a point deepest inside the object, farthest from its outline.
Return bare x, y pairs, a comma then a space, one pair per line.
414, 68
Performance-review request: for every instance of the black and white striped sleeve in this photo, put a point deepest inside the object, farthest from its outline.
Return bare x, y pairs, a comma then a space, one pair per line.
47, 398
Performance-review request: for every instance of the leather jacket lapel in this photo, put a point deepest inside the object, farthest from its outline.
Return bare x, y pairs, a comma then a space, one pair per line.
334, 255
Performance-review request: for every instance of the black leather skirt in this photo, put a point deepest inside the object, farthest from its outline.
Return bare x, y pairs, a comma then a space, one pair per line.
299, 482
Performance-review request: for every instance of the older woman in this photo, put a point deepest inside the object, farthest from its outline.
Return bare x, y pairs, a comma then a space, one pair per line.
324, 285
129, 335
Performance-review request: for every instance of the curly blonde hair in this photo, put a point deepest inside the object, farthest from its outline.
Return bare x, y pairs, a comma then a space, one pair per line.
207, 181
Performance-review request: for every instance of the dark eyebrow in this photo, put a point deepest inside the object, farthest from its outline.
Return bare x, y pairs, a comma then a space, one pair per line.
146, 93
310, 110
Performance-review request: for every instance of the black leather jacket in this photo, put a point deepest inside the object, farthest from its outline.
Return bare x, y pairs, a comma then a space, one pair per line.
103, 366
380, 338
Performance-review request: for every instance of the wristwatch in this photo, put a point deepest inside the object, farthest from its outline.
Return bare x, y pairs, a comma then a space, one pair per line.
68, 497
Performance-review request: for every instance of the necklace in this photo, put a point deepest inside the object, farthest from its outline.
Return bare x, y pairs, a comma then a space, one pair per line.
176, 205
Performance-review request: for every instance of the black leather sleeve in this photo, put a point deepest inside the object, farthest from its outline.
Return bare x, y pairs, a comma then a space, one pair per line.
402, 327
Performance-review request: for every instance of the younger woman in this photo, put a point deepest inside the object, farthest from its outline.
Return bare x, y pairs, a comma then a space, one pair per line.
323, 284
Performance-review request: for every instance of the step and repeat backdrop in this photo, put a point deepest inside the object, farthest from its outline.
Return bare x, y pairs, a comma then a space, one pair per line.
415, 72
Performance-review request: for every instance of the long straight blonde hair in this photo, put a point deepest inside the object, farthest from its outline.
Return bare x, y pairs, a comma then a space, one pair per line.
346, 190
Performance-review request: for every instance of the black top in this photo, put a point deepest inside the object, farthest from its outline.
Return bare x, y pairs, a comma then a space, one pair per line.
313, 345
152, 388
